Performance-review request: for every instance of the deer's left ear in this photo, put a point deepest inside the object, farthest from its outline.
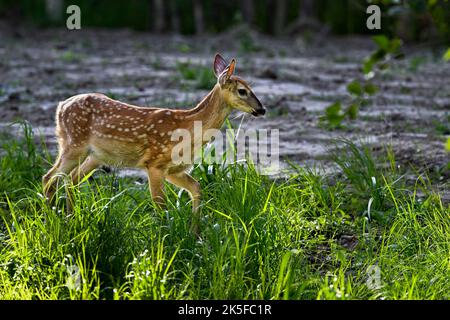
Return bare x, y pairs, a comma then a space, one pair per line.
228, 72
219, 65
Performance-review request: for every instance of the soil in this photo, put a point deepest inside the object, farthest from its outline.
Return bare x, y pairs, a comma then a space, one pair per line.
294, 77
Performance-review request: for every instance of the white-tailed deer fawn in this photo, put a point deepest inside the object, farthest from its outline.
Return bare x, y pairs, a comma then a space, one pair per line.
93, 129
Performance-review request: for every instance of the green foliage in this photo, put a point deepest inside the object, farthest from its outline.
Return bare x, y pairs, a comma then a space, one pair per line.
70, 56
334, 114
150, 274
439, 10
20, 165
370, 89
416, 62
352, 111
184, 48
202, 77
205, 79
361, 89
355, 88
443, 127
366, 180
387, 48
343, 17
407, 18
186, 70
247, 44
446, 56
261, 238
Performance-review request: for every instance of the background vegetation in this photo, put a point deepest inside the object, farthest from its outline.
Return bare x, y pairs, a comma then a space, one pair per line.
411, 20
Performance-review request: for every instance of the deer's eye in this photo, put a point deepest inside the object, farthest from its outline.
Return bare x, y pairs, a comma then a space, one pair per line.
242, 92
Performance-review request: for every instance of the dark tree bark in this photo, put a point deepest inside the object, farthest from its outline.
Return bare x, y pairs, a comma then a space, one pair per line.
198, 17
174, 16
54, 9
280, 16
158, 16
248, 11
306, 19
306, 9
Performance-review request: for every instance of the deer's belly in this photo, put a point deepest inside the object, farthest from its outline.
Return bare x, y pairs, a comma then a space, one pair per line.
116, 153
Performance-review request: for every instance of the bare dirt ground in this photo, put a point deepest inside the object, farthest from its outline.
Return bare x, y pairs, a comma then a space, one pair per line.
296, 79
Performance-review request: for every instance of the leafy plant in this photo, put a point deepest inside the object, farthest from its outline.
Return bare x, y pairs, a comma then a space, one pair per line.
334, 114
362, 88
247, 44
447, 55
184, 48
70, 56
201, 76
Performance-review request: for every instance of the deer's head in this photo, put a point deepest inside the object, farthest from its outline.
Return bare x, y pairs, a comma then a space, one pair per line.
235, 91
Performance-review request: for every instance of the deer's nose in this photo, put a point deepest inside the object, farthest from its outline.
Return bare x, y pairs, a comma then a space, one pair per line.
259, 112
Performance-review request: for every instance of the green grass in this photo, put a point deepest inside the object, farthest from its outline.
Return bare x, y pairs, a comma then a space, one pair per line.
443, 128
70, 56
260, 238
201, 77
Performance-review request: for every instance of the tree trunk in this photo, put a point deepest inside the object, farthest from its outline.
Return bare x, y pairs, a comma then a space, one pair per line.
174, 16
248, 11
306, 19
158, 16
54, 9
306, 9
280, 16
198, 17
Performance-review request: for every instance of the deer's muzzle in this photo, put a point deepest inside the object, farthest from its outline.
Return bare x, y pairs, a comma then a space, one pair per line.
259, 112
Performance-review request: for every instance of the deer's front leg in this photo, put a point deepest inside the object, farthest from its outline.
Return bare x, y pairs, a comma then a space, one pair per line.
185, 181
85, 168
156, 185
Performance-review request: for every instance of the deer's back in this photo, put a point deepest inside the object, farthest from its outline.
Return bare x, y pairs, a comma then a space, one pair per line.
115, 132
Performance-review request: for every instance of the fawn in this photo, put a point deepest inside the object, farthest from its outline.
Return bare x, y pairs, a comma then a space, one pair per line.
93, 129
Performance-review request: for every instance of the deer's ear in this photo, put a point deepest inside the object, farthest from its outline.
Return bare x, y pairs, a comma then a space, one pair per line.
230, 67
219, 65
227, 72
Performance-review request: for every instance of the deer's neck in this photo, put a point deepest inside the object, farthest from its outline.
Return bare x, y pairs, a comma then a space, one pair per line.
212, 110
